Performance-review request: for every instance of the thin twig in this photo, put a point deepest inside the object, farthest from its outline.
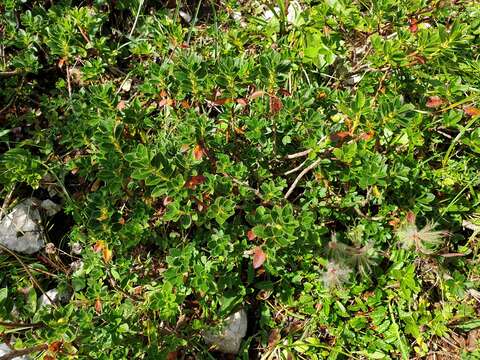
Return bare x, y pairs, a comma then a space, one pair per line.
372, 218
10, 73
300, 176
20, 325
444, 134
27, 270
299, 154
295, 169
6, 203
121, 85
140, 4
246, 185
380, 84
194, 22
43, 272
308, 151
84, 35
2, 54
17, 353
69, 83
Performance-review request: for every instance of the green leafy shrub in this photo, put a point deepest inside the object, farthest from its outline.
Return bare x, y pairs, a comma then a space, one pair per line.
241, 160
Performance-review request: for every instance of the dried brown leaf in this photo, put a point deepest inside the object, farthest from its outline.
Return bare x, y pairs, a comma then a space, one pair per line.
259, 257
198, 152
434, 102
274, 338
257, 94
194, 181
275, 104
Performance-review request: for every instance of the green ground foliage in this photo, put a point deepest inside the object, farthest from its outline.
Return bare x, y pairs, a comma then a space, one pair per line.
318, 166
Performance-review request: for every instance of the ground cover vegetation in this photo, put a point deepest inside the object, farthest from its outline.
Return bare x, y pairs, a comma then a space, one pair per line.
315, 163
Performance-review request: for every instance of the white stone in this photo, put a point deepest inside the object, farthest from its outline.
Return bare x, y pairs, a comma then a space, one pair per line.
21, 229
45, 300
229, 337
5, 350
293, 12
50, 207
355, 79
269, 14
237, 15
53, 296
127, 85
185, 16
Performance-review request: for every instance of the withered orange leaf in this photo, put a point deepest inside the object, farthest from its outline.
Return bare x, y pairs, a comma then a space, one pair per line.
61, 62
413, 25
194, 181
394, 222
107, 255
138, 290
251, 235
273, 338
96, 185
411, 217
434, 102
99, 246
275, 104
420, 59
220, 102
172, 355
259, 257
257, 94
98, 305
165, 102
367, 136
198, 152
239, 130
242, 101
340, 135
55, 346
472, 111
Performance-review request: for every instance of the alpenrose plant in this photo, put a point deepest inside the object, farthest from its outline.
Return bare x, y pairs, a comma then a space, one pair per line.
302, 160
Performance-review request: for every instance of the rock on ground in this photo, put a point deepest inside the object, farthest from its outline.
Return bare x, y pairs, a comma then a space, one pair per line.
50, 207
51, 296
21, 229
229, 338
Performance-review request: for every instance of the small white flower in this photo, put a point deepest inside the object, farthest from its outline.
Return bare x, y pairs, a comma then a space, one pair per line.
269, 14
